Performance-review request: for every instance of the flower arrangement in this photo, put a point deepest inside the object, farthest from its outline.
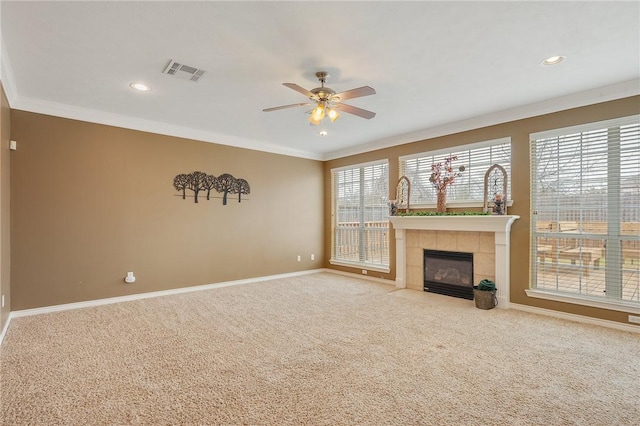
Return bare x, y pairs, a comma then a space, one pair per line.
443, 174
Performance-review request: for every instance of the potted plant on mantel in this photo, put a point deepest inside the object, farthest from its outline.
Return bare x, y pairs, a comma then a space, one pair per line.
443, 175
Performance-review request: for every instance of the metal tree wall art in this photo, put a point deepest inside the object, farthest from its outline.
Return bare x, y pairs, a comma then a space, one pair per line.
224, 184
210, 183
196, 183
180, 183
243, 188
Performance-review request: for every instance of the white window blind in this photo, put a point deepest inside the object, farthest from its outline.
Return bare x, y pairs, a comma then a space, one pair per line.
361, 214
585, 199
468, 188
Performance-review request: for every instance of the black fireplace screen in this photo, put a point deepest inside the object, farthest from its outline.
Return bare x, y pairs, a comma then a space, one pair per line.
449, 273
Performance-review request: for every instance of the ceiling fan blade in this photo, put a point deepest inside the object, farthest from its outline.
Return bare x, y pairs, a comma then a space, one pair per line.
286, 106
355, 111
297, 88
355, 93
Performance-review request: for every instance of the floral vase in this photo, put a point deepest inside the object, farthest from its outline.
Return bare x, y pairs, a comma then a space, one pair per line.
442, 201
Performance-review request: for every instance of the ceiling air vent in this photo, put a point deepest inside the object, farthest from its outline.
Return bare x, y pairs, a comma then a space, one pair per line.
183, 71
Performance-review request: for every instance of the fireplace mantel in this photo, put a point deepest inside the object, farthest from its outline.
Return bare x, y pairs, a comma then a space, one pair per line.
500, 225
479, 223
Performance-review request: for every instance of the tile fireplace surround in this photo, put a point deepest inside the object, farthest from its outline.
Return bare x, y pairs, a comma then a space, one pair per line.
487, 237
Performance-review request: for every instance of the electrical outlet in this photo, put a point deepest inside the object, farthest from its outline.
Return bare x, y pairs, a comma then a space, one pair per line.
634, 319
299, 258
3, 300
313, 257
364, 272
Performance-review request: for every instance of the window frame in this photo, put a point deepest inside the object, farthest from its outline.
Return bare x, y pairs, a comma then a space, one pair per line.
443, 152
613, 236
379, 267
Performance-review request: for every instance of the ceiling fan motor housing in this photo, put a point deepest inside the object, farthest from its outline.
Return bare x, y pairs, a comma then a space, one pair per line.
322, 93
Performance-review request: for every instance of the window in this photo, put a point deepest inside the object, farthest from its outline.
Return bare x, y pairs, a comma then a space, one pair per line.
468, 190
585, 223
361, 216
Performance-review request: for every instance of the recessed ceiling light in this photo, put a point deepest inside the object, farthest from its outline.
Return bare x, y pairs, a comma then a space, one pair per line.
140, 86
322, 133
552, 60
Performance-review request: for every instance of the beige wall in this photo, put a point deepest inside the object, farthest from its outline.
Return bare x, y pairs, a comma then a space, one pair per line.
92, 202
5, 245
519, 132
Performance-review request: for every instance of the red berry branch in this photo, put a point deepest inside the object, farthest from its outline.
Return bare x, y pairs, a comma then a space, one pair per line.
443, 174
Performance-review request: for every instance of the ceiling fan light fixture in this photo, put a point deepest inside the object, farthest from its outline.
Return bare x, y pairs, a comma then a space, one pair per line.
313, 120
333, 114
318, 112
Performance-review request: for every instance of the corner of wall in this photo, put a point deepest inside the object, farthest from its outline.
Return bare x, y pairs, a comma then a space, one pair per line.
5, 257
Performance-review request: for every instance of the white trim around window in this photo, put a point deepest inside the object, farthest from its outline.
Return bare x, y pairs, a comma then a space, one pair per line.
468, 190
585, 215
360, 216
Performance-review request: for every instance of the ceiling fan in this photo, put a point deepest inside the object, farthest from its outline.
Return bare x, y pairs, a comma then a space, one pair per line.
328, 102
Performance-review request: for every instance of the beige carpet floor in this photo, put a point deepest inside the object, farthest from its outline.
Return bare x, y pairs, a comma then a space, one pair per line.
321, 349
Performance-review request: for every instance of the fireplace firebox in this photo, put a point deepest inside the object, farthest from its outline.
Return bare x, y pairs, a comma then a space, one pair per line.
449, 273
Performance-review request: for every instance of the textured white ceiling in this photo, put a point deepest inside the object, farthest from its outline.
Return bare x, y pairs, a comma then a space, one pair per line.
436, 66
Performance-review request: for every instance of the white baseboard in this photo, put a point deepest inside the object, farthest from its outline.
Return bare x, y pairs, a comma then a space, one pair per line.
362, 276
576, 318
120, 299
526, 308
5, 328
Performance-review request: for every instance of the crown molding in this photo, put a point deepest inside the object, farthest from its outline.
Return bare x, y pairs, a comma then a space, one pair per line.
6, 75
117, 120
574, 100
603, 94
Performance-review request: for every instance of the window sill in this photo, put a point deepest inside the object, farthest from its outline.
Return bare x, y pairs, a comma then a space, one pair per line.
455, 205
618, 305
358, 265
